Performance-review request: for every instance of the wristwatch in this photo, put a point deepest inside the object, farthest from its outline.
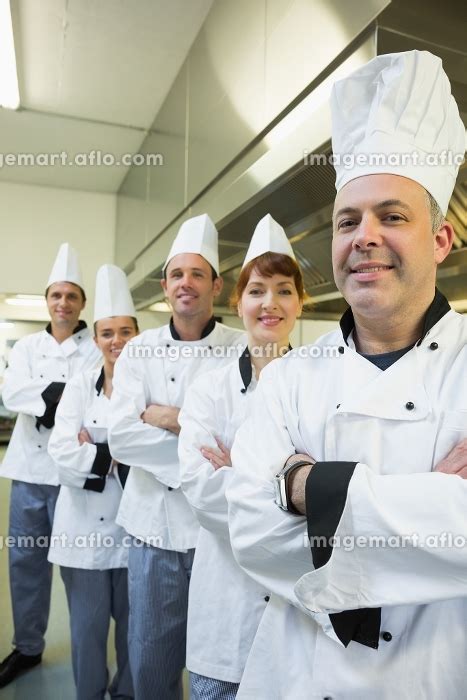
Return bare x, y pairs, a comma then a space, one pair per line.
281, 485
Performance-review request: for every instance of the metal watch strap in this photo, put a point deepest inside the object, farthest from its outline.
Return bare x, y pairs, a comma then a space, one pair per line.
281, 485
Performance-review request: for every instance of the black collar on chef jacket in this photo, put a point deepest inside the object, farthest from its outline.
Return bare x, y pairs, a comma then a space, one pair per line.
100, 381
437, 309
208, 328
246, 370
80, 327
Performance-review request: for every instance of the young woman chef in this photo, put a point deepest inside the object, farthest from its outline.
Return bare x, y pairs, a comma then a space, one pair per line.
86, 542
225, 606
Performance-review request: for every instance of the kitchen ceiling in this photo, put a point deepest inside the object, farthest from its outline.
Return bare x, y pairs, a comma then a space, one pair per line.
93, 75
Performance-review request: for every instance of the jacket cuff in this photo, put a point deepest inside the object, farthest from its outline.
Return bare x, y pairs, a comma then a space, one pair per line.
325, 495
51, 396
100, 468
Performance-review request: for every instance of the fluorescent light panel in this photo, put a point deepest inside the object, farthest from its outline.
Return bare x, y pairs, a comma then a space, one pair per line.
26, 300
9, 92
160, 306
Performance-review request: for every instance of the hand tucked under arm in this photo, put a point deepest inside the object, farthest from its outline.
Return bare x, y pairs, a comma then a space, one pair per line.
218, 458
83, 436
165, 417
456, 461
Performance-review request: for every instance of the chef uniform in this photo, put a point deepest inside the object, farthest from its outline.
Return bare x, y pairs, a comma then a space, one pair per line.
154, 509
89, 546
225, 605
353, 620
39, 367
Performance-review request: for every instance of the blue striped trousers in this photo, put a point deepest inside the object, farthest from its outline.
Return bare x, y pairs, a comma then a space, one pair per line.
158, 581
94, 597
204, 688
32, 508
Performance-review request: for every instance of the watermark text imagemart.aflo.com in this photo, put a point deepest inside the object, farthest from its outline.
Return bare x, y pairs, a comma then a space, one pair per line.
90, 540
392, 160
198, 351
93, 158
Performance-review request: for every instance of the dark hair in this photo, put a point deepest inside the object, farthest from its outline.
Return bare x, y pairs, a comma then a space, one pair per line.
214, 274
74, 285
267, 265
134, 319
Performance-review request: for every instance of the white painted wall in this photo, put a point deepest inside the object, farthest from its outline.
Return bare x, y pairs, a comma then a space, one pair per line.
35, 220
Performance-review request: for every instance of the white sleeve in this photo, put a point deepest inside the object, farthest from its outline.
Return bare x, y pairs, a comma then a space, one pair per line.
269, 544
203, 486
20, 392
74, 461
399, 540
132, 441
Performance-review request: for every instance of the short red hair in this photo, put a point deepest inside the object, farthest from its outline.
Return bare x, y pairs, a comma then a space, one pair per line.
267, 265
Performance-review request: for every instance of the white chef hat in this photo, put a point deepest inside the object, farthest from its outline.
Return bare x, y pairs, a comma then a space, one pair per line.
197, 235
398, 106
268, 237
113, 297
66, 267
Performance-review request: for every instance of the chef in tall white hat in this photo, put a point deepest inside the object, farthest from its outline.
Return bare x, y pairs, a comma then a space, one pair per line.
199, 237
39, 367
363, 450
66, 267
151, 378
95, 576
226, 605
268, 237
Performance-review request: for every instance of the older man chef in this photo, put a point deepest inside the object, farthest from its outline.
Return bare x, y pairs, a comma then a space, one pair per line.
356, 621
151, 377
39, 366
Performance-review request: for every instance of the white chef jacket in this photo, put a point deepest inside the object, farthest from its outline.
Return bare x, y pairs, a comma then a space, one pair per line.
85, 534
153, 507
397, 424
35, 362
225, 605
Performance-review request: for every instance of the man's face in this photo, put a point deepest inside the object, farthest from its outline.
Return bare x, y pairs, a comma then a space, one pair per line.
189, 286
383, 249
65, 303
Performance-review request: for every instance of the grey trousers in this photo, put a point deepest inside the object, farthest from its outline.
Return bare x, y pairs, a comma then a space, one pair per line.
158, 581
93, 598
32, 509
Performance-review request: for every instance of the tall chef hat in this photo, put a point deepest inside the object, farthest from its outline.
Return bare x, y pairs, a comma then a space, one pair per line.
66, 267
197, 235
268, 237
113, 297
396, 104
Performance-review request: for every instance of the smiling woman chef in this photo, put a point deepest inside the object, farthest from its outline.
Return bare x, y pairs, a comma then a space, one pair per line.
92, 558
225, 605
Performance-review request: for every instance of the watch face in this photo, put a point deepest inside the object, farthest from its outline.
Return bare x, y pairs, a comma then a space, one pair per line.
277, 490
280, 489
